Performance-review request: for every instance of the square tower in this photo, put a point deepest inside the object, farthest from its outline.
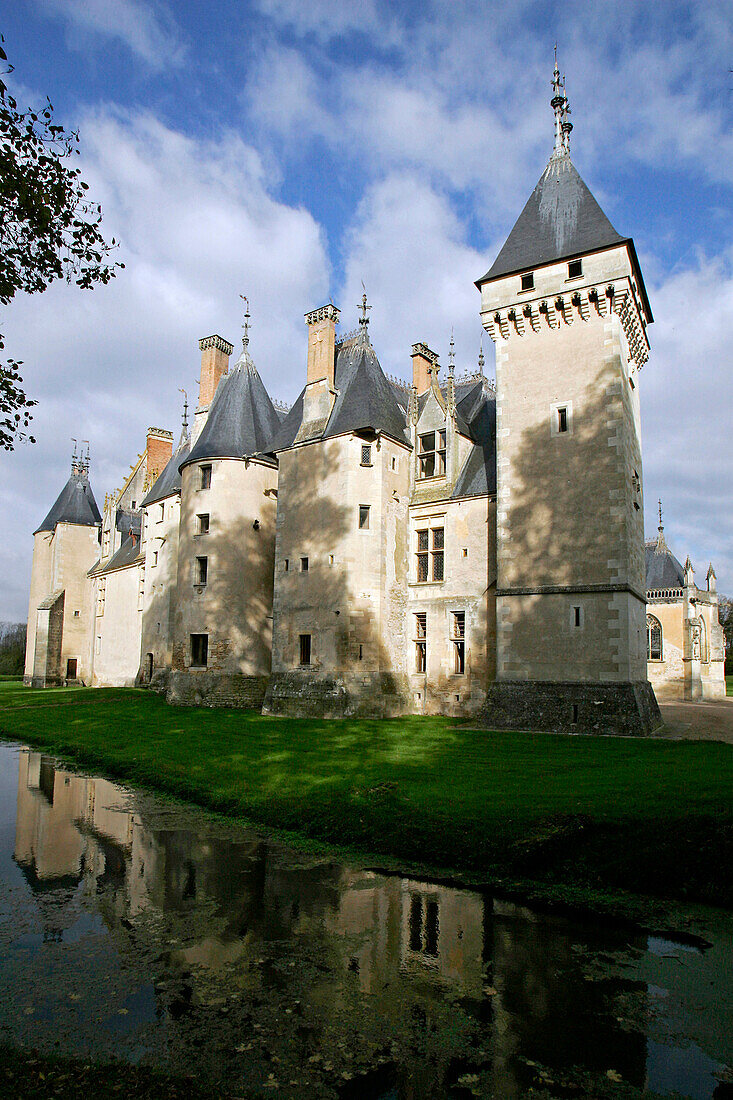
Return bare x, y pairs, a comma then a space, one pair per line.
566, 307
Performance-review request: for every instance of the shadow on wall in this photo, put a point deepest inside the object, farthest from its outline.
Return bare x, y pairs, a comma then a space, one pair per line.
351, 671
569, 523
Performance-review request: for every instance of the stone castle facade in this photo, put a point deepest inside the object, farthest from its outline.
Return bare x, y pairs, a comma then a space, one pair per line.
439, 545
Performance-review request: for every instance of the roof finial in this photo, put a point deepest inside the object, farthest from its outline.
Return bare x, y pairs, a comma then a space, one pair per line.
364, 320
84, 458
184, 426
451, 353
245, 326
481, 359
559, 104
659, 502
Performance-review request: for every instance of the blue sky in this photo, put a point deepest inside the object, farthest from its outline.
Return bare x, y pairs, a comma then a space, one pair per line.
288, 150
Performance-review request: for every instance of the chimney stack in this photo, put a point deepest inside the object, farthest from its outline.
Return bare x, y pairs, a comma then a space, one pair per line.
159, 450
423, 359
215, 352
322, 343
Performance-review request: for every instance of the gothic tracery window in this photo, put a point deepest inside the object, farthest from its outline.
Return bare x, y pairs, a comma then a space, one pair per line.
653, 639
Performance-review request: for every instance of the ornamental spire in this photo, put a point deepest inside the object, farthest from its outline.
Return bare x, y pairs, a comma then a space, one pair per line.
184, 425
364, 319
481, 359
560, 106
245, 326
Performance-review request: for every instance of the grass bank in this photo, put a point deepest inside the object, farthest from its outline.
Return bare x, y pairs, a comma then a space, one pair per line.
527, 812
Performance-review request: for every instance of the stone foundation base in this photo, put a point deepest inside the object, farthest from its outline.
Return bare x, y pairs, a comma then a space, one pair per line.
213, 689
623, 709
299, 694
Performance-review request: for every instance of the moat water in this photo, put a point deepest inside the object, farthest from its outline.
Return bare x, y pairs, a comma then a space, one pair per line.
132, 927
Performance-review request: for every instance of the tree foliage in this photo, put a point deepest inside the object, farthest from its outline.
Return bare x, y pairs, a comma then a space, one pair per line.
49, 229
725, 615
12, 649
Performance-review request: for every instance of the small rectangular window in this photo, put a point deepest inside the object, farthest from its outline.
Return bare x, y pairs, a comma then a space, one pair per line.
363, 517
203, 523
528, 280
155, 557
575, 269
205, 477
366, 455
76, 614
161, 513
304, 565
134, 505
421, 644
330, 559
465, 551
286, 565
458, 640
199, 650
562, 419
576, 616
202, 570
394, 463
305, 649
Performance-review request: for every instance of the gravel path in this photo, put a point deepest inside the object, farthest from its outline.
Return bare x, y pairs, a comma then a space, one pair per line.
711, 720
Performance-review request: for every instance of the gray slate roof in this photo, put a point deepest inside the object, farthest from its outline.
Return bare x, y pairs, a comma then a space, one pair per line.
561, 219
127, 554
478, 408
242, 420
74, 504
662, 568
366, 399
169, 481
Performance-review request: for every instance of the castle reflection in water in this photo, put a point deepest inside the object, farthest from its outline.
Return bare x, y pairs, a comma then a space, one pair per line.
447, 981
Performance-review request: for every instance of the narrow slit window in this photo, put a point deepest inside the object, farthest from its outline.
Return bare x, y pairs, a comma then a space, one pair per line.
394, 463
421, 641
304, 565
286, 565
576, 616
364, 517
202, 570
528, 280
305, 649
562, 419
205, 477
361, 652
161, 513
199, 650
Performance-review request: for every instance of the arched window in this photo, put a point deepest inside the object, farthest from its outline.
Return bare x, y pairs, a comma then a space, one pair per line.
653, 639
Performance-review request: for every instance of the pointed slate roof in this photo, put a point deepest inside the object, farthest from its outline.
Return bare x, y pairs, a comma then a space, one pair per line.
365, 399
663, 571
561, 219
74, 504
169, 481
478, 476
128, 553
242, 420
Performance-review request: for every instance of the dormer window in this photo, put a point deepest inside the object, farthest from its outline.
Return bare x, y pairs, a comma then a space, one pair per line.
432, 454
575, 269
528, 280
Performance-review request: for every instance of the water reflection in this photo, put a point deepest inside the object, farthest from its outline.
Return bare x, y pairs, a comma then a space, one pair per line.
153, 932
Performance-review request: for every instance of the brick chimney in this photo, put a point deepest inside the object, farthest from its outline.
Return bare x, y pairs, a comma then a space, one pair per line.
422, 360
159, 450
322, 343
320, 393
215, 352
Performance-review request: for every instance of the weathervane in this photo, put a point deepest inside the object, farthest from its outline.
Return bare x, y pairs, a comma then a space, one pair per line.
660, 513
245, 326
559, 104
364, 320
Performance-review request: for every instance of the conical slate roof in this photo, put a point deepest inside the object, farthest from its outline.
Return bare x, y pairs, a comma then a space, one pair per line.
561, 219
663, 571
365, 399
74, 504
170, 480
242, 420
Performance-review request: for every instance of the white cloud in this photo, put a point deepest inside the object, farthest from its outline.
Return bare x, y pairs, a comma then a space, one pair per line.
409, 248
687, 409
146, 28
198, 226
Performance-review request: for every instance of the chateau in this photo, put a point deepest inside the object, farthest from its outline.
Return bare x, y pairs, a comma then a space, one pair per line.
440, 545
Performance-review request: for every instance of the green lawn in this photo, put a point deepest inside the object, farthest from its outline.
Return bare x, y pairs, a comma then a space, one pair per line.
729, 685
603, 814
